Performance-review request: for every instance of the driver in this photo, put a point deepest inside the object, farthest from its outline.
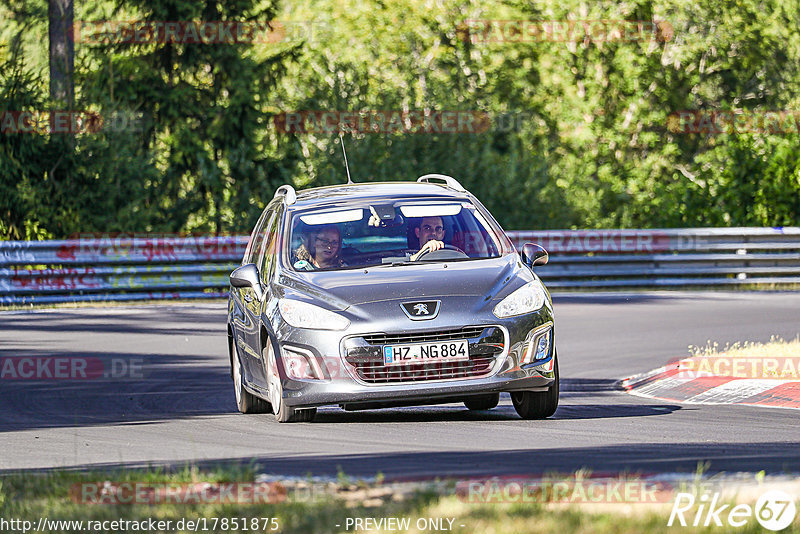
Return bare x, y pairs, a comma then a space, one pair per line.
430, 233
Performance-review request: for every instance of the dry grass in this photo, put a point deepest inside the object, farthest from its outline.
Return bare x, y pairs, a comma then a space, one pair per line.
775, 348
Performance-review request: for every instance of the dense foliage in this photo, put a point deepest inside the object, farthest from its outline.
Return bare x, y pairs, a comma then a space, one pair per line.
581, 132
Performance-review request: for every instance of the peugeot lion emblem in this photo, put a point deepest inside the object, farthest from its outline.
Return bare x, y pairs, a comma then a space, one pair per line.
421, 311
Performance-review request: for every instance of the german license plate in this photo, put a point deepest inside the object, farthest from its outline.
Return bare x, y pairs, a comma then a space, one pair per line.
451, 350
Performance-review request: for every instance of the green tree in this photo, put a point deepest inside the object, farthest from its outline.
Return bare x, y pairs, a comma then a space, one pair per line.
204, 103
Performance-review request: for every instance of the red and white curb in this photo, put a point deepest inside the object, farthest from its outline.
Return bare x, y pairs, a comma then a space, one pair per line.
673, 383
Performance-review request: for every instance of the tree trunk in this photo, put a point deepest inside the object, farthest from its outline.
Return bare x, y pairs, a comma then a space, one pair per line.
62, 51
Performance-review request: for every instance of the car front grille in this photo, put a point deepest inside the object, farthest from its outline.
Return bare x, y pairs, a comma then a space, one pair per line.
468, 332
364, 355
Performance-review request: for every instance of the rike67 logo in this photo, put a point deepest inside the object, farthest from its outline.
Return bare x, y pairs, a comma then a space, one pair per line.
774, 510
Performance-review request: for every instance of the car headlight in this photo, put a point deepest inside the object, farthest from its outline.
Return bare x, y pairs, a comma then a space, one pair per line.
527, 299
304, 315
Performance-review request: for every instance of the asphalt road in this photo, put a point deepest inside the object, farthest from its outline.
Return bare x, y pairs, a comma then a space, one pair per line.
178, 407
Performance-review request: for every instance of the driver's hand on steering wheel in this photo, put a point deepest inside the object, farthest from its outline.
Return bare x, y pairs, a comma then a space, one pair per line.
430, 246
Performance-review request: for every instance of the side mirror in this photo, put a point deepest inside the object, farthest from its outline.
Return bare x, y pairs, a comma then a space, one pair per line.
533, 254
247, 276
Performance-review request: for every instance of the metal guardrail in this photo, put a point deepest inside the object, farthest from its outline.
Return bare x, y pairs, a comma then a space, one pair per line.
668, 258
118, 268
164, 267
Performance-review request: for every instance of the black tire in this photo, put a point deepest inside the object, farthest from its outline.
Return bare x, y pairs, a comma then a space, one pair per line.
246, 402
537, 404
482, 402
283, 413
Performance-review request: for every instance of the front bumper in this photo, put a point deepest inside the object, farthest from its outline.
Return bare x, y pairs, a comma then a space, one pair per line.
341, 385
309, 393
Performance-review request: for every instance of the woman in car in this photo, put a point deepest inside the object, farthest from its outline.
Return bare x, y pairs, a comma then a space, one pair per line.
321, 249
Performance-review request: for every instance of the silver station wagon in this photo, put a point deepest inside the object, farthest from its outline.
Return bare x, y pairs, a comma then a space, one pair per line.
388, 294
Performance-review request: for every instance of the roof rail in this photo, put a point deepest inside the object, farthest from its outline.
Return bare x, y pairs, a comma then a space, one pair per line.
288, 192
448, 180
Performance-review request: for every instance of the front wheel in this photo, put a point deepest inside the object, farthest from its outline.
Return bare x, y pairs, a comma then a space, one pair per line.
537, 404
283, 413
246, 402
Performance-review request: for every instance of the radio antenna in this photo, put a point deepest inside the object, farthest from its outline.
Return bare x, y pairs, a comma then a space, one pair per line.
344, 152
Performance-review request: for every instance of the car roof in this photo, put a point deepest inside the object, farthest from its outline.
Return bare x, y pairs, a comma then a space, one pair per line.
336, 194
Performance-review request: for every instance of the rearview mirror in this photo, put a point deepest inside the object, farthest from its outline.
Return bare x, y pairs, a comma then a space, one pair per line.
533, 254
383, 216
247, 276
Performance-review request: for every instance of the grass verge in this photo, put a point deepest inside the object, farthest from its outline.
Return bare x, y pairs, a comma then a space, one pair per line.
303, 506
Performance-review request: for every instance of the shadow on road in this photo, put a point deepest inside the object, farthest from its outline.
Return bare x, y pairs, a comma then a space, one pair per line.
642, 458
158, 321
590, 384
148, 387
177, 387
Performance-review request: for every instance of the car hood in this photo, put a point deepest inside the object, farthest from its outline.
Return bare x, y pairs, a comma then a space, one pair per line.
486, 279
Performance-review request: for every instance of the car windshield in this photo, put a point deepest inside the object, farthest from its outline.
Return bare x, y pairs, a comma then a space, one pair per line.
391, 234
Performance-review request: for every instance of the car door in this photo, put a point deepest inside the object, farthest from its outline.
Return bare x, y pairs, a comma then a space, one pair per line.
243, 324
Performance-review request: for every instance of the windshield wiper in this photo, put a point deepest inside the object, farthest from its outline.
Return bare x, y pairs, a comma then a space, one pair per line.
398, 263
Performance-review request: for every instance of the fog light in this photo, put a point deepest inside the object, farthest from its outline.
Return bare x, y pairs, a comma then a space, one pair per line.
539, 346
542, 346
300, 365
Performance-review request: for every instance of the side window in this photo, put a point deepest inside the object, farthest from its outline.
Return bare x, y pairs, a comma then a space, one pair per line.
258, 246
256, 238
248, 252
271, 231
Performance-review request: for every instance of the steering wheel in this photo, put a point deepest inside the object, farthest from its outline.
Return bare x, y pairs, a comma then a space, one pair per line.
448, 252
